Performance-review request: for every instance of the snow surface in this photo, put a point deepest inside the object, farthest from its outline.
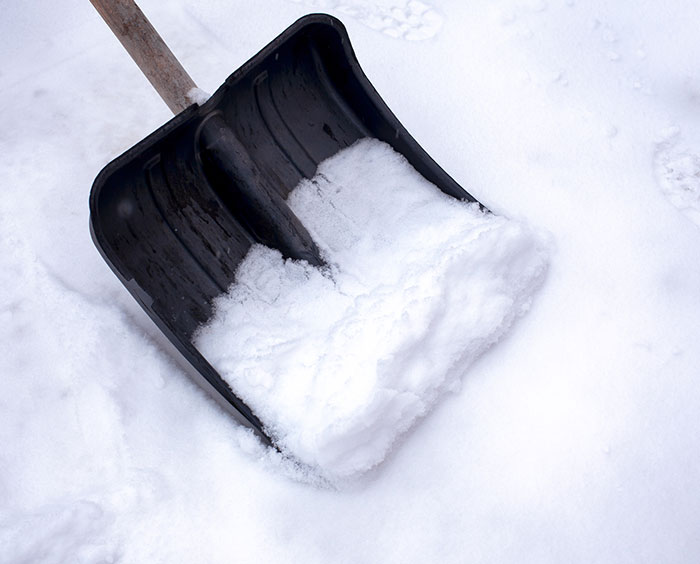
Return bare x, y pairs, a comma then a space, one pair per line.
338, 363
573, 440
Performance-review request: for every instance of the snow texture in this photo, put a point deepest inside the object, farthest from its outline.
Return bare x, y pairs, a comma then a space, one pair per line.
574, 440
678, 174
338, 363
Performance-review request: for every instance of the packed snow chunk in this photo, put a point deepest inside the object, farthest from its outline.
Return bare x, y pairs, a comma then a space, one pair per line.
337, 362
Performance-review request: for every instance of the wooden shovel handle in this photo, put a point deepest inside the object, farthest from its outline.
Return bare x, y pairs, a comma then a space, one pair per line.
149, 51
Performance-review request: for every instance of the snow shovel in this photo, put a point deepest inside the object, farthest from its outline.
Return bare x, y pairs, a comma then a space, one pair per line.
175, 214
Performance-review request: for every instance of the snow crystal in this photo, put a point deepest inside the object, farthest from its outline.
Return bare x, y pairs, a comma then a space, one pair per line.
338, 362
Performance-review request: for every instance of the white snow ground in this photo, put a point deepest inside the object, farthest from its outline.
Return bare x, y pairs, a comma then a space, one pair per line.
574, 440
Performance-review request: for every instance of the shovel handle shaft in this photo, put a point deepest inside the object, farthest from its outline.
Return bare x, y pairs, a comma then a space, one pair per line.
148, 50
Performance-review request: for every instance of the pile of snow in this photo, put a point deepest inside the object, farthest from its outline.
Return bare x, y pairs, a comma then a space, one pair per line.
338, 362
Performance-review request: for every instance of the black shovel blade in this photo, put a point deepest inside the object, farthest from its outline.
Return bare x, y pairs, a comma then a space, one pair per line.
174, 228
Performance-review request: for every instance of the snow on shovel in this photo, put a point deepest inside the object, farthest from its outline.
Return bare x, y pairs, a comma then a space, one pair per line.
325, 279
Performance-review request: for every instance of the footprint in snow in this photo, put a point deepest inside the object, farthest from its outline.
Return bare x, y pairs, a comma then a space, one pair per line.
411, 20
677, 170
